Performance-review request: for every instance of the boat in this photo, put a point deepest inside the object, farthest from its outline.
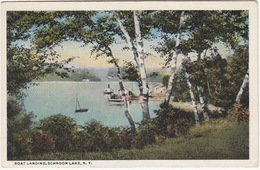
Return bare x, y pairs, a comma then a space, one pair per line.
108, 92
117, 101
78, 105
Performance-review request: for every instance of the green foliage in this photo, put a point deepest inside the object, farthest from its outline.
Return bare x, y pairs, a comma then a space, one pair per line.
208, 73
180, 89
229, 141
18, 129
42, 142
221, 79
202, 30
145, 135
157, 75
130, 72
206, 28
239, 113
63, 130
126, 138
127, 19
167, 21
235, 73
97, 142
27, 61
172, 122
95, 137
165, 80
62, 26
25, 65
76, 75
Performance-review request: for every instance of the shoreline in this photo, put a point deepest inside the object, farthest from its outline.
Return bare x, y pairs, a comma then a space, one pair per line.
66, 81
45, 82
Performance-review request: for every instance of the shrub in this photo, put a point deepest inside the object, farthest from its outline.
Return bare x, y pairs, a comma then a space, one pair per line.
125, 138
96, 137
42, 142
63, 130
145, 135
19, 141
18, 144
172, 122
182, 126
239, 113
160, 139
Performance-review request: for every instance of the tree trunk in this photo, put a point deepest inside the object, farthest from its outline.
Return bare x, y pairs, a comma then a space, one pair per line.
144, 88
171, 78
130, 43
244, 84
124, 94
174, 62
145, 108
193, 102
202, 98
203, 103
135, 58
140, 52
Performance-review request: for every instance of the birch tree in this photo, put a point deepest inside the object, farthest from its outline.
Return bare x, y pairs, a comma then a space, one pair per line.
193, 101
102, 40
123, 90
174, 60
237, 78
170, 24
205, 29
142, 69
241, 90
135, 43
202, 31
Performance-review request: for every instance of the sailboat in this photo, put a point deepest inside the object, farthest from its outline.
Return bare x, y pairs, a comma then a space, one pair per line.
78, 105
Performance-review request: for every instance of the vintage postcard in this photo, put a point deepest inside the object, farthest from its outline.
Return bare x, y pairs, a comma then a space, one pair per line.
155, 84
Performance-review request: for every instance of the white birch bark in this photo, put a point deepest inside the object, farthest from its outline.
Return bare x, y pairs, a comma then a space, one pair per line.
203, 103
129, 42
244, 84
170, 82
140, 52
124, 94
144, 89
174, 61
193, 102
135, 58
202, 98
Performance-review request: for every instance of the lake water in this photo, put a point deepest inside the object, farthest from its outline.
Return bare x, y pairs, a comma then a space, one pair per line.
60, 97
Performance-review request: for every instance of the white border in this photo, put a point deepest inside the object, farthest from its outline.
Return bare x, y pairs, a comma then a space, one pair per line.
146, 5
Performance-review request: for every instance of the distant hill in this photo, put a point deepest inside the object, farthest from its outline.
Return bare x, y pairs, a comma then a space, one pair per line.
101, 74
154, 74
76, 75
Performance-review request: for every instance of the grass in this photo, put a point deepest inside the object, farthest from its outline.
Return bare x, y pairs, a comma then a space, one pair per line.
188, 106
218, 139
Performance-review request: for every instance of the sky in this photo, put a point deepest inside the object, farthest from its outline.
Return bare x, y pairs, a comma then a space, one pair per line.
84, 57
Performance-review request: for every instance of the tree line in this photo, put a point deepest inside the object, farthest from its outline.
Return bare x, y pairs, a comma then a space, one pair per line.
74, 75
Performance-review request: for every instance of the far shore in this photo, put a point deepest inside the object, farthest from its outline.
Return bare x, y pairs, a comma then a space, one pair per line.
86, 82
66, 81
